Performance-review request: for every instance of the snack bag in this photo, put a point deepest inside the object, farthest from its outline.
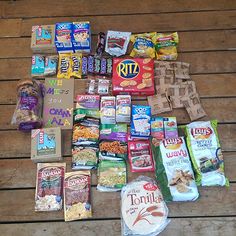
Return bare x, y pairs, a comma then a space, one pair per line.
143, 210
76, 65
123, 108
205, 152
108, 110
77, 195
38, 66
140, 156
112, 175
64, 66
157, 129
173, 170
166, 46
50, 65
143, 45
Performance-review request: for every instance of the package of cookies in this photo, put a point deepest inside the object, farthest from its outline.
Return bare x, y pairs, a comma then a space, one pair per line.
174, 171
133, 76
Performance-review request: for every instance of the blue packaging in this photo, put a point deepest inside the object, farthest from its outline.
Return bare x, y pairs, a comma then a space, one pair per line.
63, 36
81, 37
37, 67
140, 121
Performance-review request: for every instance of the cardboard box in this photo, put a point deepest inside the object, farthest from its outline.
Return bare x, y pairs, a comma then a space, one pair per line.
170, 127
134, 76
46, 145
42, 39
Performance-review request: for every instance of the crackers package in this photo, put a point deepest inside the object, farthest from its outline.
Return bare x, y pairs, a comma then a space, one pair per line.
174, 171
133, 76
46, 145
108, 110
205, 152
123, 108
166, 46
77, 195
170, 127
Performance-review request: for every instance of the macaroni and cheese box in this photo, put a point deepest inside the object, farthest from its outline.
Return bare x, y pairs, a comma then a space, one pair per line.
81, 37
63, 34
134, 76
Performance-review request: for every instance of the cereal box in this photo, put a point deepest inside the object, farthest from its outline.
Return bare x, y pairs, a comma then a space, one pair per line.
81, 37
133, 76
108, 110
63, 34
157, 129
140, 121
123, 108
170, 127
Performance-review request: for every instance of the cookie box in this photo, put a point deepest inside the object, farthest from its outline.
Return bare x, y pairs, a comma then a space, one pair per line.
134, 76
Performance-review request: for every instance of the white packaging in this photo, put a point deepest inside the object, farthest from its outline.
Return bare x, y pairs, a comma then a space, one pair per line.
108, 110
123, 108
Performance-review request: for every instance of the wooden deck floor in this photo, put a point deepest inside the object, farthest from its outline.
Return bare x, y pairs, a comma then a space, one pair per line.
207, 31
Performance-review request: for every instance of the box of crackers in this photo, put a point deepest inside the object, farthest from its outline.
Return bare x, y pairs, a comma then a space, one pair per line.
134, 76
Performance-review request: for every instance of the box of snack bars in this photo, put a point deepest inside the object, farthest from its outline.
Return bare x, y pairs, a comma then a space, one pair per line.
63, 35
81, 37
42, 39
134, 76
170, 127
46, 145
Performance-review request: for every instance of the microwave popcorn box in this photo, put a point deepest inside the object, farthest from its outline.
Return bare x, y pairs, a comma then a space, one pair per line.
170, 127
134, 76
42, 39
81, 37
46, 145
63, 36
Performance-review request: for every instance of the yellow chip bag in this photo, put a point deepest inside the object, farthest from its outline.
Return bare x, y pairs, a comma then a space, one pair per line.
143, 45
166, 46
64, 66
76, 65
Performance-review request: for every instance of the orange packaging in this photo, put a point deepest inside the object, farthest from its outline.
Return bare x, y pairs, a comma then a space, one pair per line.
134, 76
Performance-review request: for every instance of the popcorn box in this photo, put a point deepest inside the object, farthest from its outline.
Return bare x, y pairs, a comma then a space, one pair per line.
42, 39
134, 76
81, 37
63, 35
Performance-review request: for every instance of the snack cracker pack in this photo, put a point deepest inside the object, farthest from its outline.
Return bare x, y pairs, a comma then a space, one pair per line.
143, 210
205, 152
173, 170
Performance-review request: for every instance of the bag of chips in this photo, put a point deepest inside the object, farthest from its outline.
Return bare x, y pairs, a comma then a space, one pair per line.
205, 152
143, 45
166, 46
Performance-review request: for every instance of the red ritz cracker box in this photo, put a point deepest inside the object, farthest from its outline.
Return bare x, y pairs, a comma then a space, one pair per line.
134, 76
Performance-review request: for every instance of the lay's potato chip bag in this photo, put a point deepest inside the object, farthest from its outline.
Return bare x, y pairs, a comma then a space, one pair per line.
143, 45
166, 46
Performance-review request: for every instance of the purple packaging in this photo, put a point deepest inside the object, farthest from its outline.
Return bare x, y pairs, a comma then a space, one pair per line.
90, 64
84, 65
170, 127
114, 132
81, 37
88, 101
63, 35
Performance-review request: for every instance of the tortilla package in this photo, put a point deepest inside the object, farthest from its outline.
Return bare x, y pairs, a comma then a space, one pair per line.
143, 210
205, 152
174, 171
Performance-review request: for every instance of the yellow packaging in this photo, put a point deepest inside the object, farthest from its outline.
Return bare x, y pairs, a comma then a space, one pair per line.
64, 66
76, 65
166, 46
143, 45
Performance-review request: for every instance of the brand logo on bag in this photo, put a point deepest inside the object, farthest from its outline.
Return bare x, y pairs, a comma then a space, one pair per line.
201, 133
51, 173
77, 182
41, 137
128, 69
172, 143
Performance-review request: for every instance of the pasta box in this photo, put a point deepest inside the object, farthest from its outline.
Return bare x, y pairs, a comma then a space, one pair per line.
134, 76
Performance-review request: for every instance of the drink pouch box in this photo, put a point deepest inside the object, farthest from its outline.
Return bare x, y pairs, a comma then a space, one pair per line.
157, 129
46, 145
123, 108
108, 110
140, 121
81, 37
42, 39
170, 127
134, 76
63, 34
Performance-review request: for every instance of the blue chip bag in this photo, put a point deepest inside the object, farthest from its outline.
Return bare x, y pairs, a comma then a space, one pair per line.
38, 67
140, 121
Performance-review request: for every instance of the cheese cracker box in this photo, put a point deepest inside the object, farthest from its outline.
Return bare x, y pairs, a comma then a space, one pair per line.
42, 39
134, 76
63, 35
46, 145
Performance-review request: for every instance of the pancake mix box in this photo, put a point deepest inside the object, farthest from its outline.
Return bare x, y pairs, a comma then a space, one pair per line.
134, 76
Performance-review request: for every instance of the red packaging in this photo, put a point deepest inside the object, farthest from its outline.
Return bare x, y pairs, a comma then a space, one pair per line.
134, 76
140, 156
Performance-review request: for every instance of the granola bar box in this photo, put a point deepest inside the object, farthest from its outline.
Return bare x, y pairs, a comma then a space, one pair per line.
134, 76
46, 145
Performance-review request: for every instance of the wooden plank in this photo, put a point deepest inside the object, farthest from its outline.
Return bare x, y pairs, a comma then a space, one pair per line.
10, 27
201, 63
184, 21
21, 173
227, 133
209, 204
72, 8
216, 40
178, 227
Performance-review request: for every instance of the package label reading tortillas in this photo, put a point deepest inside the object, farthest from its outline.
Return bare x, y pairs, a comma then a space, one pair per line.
142, 208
